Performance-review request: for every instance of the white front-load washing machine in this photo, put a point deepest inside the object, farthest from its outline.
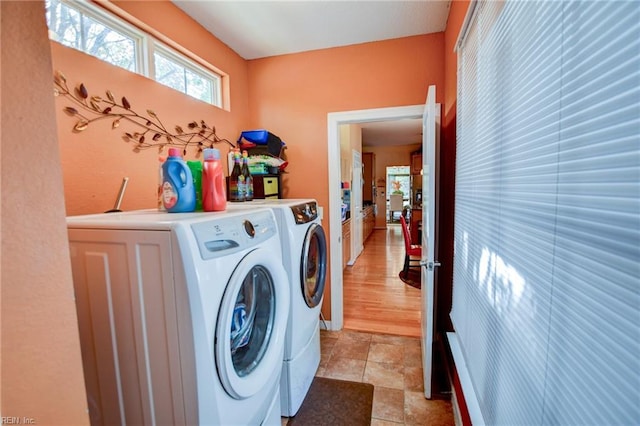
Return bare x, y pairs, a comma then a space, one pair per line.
305, 259
182, 316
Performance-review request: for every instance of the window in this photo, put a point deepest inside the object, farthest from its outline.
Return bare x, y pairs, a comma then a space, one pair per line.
90, 29
173, 71
547, 206
398, 179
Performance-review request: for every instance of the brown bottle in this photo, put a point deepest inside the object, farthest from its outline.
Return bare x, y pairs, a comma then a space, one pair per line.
248, 180
236, 180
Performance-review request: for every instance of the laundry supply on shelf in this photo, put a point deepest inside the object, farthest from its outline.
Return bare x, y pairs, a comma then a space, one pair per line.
214, 197
178, 192
261, 141
196, 172
161, 161
248, 180
236, 180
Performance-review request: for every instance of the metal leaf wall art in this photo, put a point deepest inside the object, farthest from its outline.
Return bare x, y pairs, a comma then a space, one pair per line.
153, 133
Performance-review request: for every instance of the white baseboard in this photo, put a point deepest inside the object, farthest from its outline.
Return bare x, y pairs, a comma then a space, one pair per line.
468, 392
457, 417
325, 325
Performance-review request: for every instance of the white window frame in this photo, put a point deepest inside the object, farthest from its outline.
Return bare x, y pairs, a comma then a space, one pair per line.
110, 21
172, 55
146, 46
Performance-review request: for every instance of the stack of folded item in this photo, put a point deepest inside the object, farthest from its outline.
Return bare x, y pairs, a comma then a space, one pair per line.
261, 142
265, 151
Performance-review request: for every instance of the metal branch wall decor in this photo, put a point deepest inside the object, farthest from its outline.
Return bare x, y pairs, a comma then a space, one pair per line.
153, 132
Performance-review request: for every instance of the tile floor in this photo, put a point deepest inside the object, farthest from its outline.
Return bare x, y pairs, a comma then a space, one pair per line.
393, 365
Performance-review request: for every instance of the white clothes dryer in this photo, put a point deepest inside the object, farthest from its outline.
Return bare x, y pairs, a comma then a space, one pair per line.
305, 258
182, 316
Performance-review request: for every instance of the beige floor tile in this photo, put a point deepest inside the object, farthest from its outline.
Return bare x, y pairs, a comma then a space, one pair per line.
413, 379
382, 352
356, 335
328, 339
325, 359
412, 341
412, 356
393, 364
386, 375
326, 349
392, 340
347, 348
321, 372
329, 335
378, 422
419, 411
345, 369
388, 404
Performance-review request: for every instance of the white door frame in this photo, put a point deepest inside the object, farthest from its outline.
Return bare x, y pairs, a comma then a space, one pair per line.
334, 120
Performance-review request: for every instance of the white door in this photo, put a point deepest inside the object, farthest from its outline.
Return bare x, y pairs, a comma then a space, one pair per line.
430, 140
356, 208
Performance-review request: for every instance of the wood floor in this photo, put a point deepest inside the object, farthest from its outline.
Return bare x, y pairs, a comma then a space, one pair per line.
375, 299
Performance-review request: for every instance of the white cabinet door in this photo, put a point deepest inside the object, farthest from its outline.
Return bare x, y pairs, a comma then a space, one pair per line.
356, 208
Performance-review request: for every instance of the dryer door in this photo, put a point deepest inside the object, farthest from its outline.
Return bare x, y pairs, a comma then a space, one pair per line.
313, 265
251, 324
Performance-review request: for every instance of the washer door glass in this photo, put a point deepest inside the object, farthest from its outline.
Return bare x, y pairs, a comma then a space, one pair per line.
313, 265
253, 315
251, 324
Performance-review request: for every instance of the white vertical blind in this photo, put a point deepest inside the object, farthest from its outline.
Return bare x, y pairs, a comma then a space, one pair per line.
546, 293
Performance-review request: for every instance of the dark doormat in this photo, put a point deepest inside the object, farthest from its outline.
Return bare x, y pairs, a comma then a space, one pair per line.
412, 278
332, 402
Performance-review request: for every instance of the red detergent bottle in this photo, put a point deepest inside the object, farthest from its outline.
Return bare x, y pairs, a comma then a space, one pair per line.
214, 196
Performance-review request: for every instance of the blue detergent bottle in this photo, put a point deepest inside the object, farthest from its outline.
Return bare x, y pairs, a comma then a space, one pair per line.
178, 192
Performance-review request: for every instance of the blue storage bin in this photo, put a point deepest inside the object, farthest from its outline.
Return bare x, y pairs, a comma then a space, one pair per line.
265, 141
259, 137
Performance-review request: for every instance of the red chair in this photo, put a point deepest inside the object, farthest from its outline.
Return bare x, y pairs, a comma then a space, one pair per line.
411, 250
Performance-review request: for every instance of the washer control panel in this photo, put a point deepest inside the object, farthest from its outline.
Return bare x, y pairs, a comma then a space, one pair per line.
305, 213
227, 235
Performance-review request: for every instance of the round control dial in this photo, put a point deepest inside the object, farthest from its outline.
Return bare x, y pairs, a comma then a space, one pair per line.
249, 229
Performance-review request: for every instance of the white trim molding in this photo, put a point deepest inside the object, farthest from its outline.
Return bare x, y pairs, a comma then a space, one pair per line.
334, 120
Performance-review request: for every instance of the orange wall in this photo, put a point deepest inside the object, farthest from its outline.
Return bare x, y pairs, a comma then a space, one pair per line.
41, 362
457, 12
95, 160
292, 94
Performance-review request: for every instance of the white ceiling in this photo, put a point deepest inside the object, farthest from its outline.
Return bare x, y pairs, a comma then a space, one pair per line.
386, 133
258, 29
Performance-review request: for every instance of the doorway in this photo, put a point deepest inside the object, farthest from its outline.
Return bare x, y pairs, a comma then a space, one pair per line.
334, 120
